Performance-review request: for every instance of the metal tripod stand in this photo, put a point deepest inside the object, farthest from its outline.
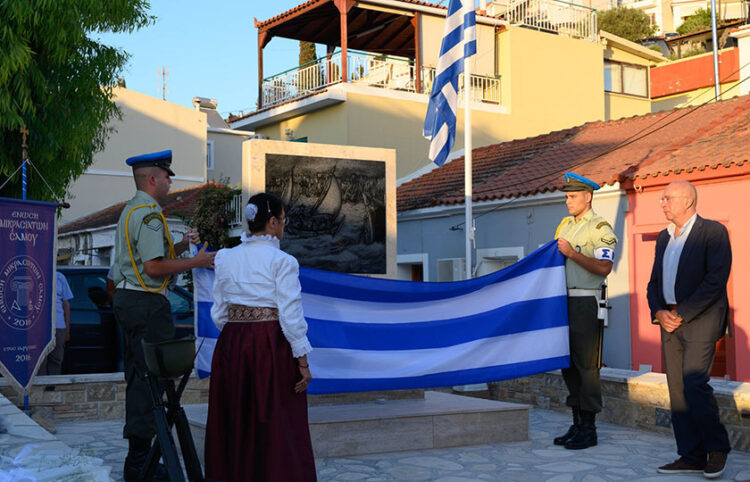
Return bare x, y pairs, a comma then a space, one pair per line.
167, 361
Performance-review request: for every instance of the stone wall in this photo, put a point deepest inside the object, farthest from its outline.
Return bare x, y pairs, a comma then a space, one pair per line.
67, 398
632, 398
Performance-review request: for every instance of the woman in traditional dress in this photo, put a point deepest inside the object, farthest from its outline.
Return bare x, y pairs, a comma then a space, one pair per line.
257, 409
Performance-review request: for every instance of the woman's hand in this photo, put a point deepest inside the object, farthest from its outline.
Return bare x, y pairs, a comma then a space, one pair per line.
301, 385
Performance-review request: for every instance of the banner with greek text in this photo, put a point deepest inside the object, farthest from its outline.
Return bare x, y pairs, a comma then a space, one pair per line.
27, 287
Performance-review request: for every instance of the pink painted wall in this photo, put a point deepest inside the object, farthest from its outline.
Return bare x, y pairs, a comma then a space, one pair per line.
725, 199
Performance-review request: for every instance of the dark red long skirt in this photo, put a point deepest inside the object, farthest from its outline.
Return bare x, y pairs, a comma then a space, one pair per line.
257, 426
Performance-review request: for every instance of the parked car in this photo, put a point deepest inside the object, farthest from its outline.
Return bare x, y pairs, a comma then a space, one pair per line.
96, 342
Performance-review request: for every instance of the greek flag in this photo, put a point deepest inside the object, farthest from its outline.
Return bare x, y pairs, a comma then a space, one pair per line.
459, 42
375, 334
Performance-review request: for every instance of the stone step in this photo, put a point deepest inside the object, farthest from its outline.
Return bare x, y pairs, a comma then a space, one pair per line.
437, 421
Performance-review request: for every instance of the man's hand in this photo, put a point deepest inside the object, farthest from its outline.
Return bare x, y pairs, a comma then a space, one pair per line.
202, 259
668, 320
191, 237
565, 248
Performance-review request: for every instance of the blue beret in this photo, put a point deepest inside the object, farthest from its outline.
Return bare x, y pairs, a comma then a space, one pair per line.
161, 159
575, 182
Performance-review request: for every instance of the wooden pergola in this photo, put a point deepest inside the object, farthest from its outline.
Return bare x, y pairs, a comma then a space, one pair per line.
348, 24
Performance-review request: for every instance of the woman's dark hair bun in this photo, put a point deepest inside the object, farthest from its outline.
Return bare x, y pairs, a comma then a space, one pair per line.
269, 206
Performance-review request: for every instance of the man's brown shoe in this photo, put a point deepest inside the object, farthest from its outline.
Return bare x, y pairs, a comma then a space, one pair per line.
715, 466
679, 466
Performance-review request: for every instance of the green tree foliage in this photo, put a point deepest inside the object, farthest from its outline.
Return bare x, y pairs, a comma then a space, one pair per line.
699, 20
306, 52
212, 217
312, 79
57, 80
626, 22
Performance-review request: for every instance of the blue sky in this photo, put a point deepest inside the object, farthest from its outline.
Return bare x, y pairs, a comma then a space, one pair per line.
209, 49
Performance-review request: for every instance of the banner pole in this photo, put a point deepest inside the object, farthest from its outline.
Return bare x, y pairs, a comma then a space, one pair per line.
468, 224
24, 147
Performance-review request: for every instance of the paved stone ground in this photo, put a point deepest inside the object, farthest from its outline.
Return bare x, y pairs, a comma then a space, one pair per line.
623, 453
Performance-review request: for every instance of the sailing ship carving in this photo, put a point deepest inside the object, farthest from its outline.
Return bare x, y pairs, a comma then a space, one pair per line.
322, 216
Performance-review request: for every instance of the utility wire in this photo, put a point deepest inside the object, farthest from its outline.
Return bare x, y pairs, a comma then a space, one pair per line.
630, 140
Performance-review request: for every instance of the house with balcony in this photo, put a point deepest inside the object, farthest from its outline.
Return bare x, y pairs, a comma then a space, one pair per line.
541, 66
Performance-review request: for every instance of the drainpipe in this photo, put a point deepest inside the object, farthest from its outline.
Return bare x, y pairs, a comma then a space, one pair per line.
714, 39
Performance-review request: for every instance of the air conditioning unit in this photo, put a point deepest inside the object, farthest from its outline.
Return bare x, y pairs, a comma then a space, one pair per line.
451, 269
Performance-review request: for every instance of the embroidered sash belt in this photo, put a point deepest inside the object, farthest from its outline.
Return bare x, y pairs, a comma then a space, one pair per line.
242, 313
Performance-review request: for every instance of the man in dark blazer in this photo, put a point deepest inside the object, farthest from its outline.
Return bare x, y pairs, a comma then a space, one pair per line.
687, 295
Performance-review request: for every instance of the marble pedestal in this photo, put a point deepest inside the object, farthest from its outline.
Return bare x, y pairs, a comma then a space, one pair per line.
436, 421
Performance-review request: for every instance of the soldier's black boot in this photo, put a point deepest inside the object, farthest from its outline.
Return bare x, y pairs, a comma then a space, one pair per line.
136, 460
137, 452
586, 436
562, 439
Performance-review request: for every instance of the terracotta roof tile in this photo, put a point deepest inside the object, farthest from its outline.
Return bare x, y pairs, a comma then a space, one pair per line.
180, 202
680, 140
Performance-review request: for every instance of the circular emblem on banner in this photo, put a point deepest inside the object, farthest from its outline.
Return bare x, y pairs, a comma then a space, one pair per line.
22, 292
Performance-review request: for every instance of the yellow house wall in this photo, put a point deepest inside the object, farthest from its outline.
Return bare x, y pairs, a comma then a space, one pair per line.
483, 63
148, 124
327, 125
557, 82
617, 106
694, 97
227, 158
617, 55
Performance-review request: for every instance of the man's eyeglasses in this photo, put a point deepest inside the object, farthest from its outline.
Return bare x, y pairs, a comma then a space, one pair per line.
284, 220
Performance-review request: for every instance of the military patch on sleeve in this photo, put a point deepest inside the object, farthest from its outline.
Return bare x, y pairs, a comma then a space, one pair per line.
602, 224
153, 221
609, 241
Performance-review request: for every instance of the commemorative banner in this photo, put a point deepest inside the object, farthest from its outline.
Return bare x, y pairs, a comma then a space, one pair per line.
27, 287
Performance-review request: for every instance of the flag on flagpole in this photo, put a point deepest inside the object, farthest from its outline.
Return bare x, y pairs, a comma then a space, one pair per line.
378, 334
459, 42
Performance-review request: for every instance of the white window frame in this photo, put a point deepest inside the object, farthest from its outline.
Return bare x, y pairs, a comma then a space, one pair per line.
210, 155
416, 258
623, 87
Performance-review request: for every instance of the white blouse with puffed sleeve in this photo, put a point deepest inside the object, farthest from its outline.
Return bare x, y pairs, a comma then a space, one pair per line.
258, 273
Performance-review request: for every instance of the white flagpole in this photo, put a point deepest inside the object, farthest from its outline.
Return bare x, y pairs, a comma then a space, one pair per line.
468, 225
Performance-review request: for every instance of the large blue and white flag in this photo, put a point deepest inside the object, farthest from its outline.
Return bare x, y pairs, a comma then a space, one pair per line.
375, 334
459, 42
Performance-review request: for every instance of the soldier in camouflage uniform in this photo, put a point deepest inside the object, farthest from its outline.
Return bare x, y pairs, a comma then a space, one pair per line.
588, 243
145, 260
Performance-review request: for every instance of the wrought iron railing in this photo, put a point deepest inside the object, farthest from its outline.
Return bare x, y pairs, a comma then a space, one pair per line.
554, 16
235, 207
365, 69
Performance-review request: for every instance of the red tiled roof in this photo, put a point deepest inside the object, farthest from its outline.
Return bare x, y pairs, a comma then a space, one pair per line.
712, 135
180, 202
310, 3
